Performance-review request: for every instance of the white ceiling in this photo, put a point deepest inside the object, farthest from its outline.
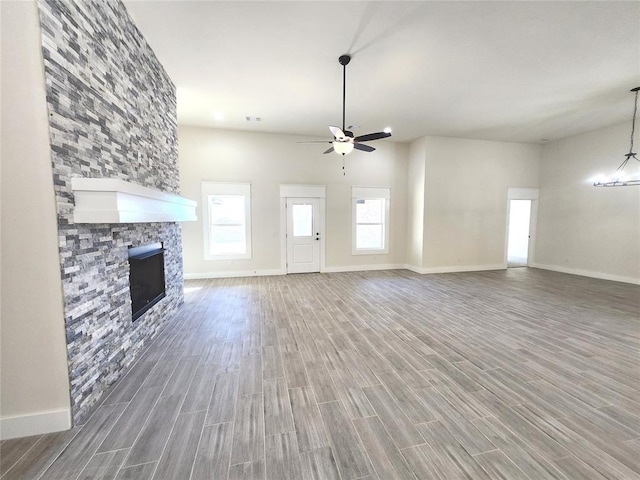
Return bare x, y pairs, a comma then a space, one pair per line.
510, 71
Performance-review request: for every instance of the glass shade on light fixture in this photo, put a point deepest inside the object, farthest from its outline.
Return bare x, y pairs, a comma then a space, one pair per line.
343, 148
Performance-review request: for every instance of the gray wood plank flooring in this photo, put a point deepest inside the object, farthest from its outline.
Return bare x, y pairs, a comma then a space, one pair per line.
517, 374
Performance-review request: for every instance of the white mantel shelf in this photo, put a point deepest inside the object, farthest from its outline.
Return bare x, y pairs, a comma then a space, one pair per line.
111, 200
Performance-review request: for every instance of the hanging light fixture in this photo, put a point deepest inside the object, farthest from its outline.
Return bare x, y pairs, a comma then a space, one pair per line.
619, 178
342, 148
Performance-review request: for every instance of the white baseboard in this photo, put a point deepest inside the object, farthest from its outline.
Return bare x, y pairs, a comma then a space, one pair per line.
363, 268
349, 268
415, 269
264, 273
37, 424
456, 268
587, 273
232, 274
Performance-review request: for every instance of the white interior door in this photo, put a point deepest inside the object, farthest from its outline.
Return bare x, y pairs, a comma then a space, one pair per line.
303, 235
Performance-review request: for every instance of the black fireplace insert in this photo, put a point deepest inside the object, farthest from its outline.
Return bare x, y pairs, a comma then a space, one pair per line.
146, 277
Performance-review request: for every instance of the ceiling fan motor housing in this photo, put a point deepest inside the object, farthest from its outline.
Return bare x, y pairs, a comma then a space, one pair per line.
344, 59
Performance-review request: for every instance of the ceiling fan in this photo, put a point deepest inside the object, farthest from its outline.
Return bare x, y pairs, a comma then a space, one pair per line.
343, 141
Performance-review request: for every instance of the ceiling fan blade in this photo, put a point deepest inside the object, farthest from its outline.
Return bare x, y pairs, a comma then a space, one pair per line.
328, 150
337, 133
317, 141
363, 147
372, 136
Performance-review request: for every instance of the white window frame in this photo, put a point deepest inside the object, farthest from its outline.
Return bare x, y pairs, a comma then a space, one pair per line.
370, 193
214, 188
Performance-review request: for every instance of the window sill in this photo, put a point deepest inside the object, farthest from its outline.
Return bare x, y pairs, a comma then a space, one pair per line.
381, 251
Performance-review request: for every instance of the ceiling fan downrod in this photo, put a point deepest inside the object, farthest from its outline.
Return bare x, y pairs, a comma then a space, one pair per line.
344, 61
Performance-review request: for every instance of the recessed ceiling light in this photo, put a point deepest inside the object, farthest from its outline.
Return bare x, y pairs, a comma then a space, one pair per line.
218, 115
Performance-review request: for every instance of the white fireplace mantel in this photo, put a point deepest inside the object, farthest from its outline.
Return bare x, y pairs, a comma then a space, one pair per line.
111, 200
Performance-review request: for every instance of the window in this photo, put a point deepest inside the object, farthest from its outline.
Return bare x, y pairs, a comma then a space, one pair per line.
370, 220
302, 216
227, 220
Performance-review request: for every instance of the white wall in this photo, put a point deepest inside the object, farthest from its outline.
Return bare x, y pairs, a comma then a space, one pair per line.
34, 377
269, 160
465, 200
583, 229
415, 203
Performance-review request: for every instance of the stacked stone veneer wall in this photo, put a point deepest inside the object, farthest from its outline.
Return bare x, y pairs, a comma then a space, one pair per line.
112, 113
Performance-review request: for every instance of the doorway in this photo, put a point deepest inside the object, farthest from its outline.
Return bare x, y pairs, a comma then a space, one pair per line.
518, 241
303, 235
521, 221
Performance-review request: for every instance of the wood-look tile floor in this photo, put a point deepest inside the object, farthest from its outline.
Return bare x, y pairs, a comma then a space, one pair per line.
517, 374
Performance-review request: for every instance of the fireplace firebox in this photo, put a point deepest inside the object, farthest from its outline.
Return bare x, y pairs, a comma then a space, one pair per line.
146, 277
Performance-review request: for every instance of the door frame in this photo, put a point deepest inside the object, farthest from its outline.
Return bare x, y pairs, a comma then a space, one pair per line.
519, 193
302, 191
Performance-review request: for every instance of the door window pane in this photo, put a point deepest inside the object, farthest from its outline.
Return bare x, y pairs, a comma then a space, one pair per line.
302, 216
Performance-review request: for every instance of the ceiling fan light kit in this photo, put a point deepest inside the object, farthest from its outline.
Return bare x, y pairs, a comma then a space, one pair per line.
343, 148
343, 141
619, 178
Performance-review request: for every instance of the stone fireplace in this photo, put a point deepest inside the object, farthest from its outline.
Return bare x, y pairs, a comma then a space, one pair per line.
112, 115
